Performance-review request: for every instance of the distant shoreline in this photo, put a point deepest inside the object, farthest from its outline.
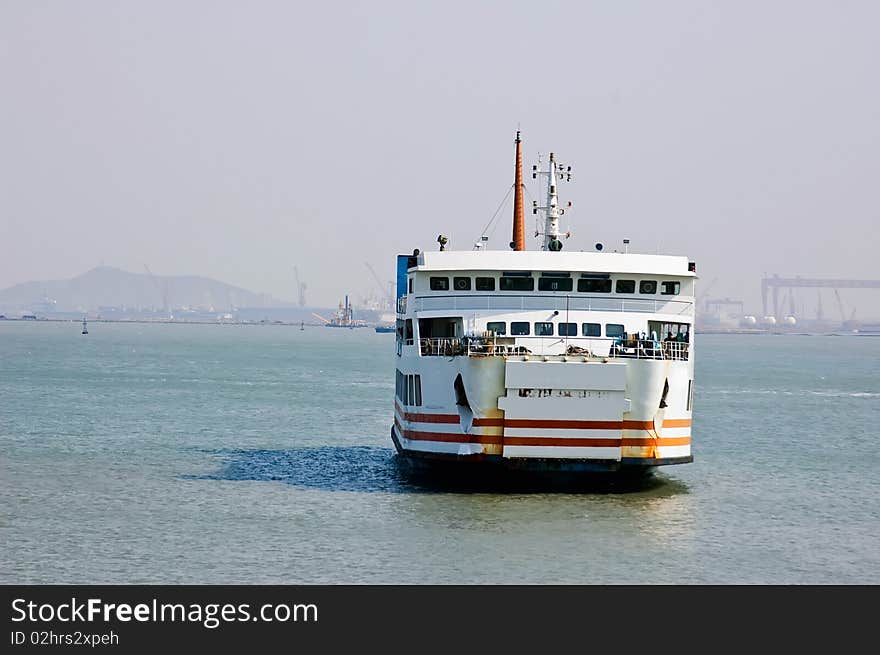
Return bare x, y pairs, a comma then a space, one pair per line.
731, 331
156, 321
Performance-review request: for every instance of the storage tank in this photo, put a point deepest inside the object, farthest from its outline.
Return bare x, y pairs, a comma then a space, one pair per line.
749, 321
789, 320
769, 320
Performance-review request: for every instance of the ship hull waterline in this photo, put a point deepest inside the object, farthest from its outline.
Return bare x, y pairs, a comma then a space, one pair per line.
428, 461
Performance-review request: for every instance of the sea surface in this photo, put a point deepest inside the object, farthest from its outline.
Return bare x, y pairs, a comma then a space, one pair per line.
169, 453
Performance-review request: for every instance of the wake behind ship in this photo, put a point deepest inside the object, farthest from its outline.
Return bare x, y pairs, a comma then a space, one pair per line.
544, 361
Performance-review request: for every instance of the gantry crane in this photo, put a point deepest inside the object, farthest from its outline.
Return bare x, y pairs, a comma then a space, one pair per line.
300, 288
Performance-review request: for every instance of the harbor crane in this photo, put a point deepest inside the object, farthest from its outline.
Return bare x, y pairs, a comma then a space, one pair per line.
300, 288
843, 319
704, 296
386, 294
772, 285
161, 287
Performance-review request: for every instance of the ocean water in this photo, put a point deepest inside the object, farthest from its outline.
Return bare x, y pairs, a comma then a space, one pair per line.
145, 453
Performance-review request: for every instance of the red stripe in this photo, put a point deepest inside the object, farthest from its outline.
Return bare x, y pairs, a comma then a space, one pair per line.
577, 442
431, 418
554, 424
445, 437
447, 418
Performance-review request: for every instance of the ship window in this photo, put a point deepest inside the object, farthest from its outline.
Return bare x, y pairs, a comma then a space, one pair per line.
408, 332
568, 329
594, 286
543, 329
519, 328
485, 284
517, 284
554, 284
591, 329
690, 397
439, 284
614, 330
461, 283
498, 327
626, 286
648, 286
418, 389
410, 285
670, 288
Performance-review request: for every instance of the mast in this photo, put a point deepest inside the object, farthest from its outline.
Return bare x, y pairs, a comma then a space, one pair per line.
551, 209
519, 221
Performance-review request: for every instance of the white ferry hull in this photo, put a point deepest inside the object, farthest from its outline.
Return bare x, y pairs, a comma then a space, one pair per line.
527, 414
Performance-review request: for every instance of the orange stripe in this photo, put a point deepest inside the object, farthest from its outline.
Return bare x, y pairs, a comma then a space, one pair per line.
649, 425
667, 441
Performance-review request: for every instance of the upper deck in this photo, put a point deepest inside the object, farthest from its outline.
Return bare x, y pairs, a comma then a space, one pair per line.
487, 280
575, 262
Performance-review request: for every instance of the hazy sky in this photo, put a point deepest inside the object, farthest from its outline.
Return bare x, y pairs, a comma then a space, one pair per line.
238, 139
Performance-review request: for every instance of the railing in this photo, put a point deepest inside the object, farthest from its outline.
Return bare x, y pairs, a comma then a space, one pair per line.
536, 302
474, 346
489, 346
648, 349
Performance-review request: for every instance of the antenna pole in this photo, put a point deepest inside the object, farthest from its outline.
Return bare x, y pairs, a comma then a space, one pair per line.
555, 173
551, 223
519, 221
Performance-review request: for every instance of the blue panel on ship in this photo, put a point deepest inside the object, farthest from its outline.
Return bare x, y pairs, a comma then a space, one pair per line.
402, 264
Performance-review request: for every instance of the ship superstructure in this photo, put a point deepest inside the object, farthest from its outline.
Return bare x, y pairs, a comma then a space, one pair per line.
544, 360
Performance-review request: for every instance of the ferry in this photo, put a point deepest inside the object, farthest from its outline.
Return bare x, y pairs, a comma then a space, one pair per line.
543, 360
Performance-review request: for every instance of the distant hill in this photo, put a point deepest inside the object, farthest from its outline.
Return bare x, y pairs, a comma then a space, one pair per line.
111, 287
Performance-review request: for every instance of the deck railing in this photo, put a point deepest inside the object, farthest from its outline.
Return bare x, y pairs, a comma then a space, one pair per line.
543, 302
488, 346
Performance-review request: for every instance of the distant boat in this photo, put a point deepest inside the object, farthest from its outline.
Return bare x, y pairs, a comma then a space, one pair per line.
85, 330
302, 325
344, 318
385, 328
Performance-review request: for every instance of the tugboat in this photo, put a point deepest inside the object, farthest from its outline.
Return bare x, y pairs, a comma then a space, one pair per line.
85, 329
344, 318
544, 361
